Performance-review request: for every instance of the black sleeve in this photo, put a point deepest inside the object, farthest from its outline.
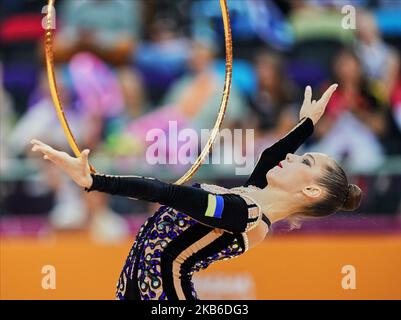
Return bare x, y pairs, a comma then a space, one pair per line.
271, 156
228, 211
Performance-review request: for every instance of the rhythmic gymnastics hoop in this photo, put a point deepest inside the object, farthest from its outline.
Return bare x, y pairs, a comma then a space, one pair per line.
49, 56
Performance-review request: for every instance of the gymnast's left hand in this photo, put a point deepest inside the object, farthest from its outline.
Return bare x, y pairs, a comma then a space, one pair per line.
77, 168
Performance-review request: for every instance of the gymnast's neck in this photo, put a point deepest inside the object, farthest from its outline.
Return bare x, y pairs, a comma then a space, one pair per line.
277, 204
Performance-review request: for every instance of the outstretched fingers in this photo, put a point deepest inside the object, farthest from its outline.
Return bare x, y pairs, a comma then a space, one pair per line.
307, 95
48, 152
40, 146
328, 93
39, 143
84, 157
36, 141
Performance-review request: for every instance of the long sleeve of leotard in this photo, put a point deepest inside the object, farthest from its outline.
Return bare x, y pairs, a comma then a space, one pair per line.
228, 211
271, 156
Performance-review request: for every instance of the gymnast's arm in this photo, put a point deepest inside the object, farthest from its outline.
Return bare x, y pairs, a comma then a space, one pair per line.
310, 113
271, 156
228, 211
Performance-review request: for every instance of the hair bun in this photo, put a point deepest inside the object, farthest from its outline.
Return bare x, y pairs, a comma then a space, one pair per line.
354, 197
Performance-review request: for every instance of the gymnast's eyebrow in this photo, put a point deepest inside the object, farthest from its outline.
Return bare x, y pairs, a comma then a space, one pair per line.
314, 161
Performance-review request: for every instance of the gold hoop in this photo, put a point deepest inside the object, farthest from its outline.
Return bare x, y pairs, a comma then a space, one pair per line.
49, 55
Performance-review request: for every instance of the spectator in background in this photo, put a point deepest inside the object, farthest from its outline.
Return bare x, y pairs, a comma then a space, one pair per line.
356, 119
318, 36
106, 28
394, 140
192, 102
177, 12
20, 32
380, 62
7, 121
117, 143
254, 23
90, 94
396, 104
272, 115
381, 65
41, 119
197, 95
110, 31
162, 57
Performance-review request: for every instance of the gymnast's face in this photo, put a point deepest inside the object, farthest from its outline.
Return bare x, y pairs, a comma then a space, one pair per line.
298, 175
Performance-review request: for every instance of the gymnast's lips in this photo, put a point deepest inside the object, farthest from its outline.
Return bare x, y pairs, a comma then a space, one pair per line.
280, 165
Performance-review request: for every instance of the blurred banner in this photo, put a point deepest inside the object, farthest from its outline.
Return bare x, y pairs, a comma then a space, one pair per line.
291, 267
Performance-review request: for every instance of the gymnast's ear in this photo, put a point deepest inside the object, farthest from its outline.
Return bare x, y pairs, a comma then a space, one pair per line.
312, 191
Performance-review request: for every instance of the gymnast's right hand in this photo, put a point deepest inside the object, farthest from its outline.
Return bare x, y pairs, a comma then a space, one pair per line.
77, 168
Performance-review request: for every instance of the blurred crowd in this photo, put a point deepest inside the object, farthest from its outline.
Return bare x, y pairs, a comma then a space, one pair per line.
126, 66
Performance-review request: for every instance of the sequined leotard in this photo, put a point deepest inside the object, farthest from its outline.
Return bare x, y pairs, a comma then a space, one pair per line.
195, 226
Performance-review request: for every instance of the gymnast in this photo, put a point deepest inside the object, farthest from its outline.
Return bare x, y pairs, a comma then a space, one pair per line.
201, 224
